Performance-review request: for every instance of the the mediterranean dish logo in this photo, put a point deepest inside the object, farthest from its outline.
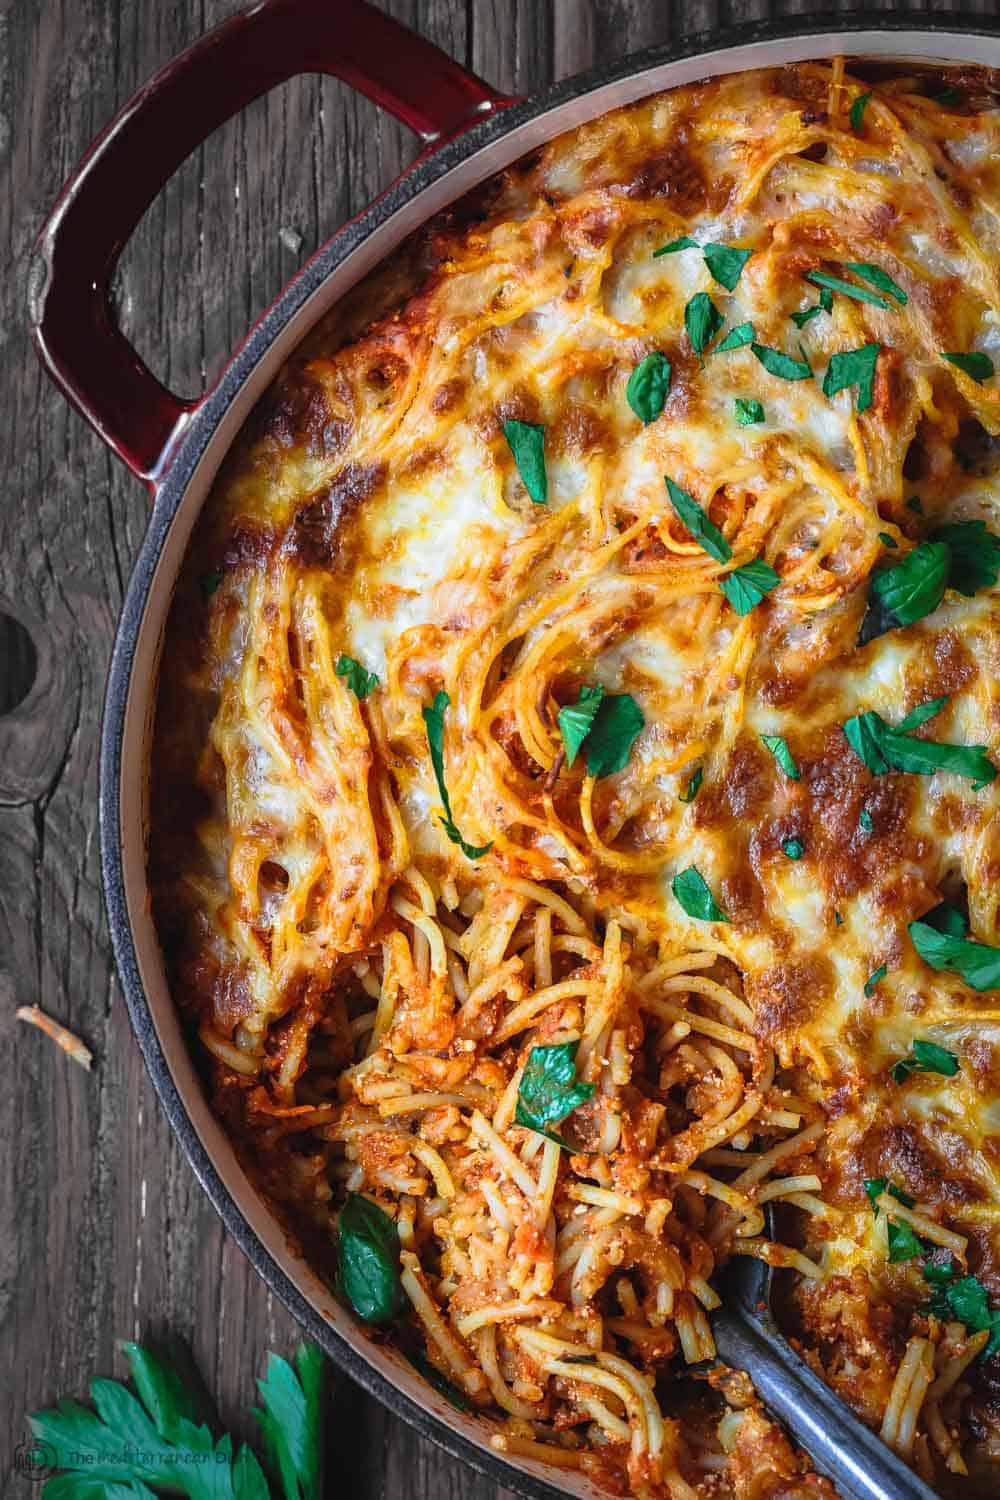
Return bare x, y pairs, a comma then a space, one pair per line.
37, 1461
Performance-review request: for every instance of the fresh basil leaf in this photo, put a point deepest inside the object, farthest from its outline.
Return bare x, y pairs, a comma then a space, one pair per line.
702, 319
368, 1261
693, 895
838, 919
857, 110
800, 319
925, 1057
782, 365
888, 541
292, 1399
977, 963
975, 555
853, 367
209, 582
360, 681
725, 264
576, 719
883, 748
977, 365
873, 979
865, 820
615, 729
549, 1089
438, 1380
793, 848
748, 412
705, 532
826, 300
903, 1243
915, 586
746, 586
778, 747
947, 919
649, 386
847, 289
921, 714
434, 724
876, 1186
694, 783
526, 441
878, 278
736, 338
684, 243
915, 504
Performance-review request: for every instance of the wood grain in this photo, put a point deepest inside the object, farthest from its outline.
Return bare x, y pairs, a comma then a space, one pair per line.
106, 1234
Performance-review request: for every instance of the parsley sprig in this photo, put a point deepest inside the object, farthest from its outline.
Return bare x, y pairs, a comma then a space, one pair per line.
883, 748
925, 1057
549, 1089
434, 724
162, 1440
606, 725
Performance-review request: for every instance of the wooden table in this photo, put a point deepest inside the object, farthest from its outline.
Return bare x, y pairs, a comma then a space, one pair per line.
106, 1234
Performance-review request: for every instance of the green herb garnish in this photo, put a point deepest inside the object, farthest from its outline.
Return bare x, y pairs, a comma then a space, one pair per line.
693, 895
946, 918
434, 724
684, 243
876, 1186
857, 111
793, 848
736, 338
694, 783
906, 592
360, 682
925, 1057
705, 532
975, 364
725, 264
883, 749
368, 1261
746, 586
853, 367
878, 278
782, 365
649, 386
549, 1089
977, 963
209, 582
948, 98
526, 441
847, 289
903, 1243
975, 555
778, 747
607, 724
888, 541
969, 1304
163, 1440
865, 820
921, 714
748, 412
702, 319
873, 979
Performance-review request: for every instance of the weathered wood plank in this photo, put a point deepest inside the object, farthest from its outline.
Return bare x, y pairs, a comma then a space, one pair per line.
108, 1234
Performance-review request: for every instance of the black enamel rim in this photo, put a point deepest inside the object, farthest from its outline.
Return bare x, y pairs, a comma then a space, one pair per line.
171, 491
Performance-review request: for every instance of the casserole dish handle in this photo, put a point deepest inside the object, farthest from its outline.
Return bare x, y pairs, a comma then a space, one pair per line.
70, 304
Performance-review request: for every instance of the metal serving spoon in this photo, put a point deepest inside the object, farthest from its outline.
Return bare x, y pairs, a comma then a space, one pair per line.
839, 1444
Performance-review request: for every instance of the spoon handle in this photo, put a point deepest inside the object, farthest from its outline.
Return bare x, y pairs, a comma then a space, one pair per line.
839, 1444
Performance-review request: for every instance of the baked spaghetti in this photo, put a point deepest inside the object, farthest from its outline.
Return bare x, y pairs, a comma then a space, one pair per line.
574, 823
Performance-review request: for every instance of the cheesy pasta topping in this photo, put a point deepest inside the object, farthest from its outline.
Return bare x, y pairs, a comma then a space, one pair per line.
575, 835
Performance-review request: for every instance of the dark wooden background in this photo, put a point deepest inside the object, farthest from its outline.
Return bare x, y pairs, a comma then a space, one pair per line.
104, 1233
